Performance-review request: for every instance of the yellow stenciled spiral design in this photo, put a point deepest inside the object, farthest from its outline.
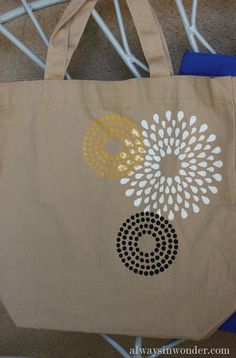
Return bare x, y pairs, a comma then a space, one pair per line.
108, 129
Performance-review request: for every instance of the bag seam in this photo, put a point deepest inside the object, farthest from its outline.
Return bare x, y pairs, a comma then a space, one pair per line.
234, 124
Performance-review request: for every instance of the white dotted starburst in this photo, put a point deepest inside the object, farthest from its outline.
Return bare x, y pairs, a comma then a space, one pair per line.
180, 168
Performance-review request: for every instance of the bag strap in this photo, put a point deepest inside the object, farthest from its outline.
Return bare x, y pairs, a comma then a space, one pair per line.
70, 28
152, 38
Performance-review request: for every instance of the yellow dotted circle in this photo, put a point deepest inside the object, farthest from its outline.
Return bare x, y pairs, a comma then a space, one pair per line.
97, 153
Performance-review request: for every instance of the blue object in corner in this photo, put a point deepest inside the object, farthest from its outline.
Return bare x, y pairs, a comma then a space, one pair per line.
211, 65
229, 325
207, 64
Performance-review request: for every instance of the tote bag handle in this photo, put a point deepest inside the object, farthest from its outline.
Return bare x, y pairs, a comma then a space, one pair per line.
70, 28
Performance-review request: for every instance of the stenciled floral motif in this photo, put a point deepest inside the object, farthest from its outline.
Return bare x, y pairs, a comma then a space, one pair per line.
130, 243
113, 146
180, 168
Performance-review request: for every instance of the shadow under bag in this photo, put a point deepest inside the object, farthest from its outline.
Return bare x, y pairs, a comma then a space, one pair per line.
117, 199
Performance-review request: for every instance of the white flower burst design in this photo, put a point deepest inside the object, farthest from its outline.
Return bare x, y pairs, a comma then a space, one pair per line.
179, 169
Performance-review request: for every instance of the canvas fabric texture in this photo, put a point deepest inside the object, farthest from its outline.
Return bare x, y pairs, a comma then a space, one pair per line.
117, 208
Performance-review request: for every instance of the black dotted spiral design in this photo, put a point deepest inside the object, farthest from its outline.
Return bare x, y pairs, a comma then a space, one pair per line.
165, 243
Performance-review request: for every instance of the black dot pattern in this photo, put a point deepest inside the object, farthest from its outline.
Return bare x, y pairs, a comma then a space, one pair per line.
165, 243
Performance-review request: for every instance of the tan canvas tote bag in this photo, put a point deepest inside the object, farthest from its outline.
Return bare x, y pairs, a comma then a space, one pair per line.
117, 199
